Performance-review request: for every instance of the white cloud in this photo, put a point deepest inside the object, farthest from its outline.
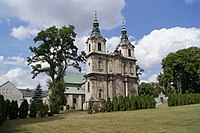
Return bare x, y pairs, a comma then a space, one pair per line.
112, 43
153, 78
151, 49
63, 12
1, 60
23, 32
191, 1
14, 60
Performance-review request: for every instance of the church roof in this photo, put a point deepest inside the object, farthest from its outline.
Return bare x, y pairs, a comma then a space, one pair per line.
74, 90
30, 92
74, 78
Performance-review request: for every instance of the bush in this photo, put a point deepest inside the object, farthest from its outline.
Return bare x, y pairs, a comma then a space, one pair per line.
7, 106
122, 104
103, 105
89, 109
2, 109
23, 110
50, 114
42, 109
33, 110
13, 114
115, 104
108, 105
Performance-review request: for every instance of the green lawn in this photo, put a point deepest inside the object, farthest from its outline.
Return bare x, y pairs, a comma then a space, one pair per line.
182, 119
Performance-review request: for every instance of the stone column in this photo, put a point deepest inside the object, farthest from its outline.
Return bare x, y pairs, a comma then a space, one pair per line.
80, 102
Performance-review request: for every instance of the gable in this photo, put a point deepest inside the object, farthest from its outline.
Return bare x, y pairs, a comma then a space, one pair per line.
9, 89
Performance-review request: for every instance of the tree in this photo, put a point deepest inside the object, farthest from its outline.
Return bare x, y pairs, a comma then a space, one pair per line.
33, 110
182, 70
37, 96
57, 97
2, 109
23, 109
145, 89
7, 106
13, 110
108, 105
115, 104
58, 51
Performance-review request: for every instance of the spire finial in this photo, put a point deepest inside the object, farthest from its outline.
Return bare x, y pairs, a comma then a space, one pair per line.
123, 23
95, 15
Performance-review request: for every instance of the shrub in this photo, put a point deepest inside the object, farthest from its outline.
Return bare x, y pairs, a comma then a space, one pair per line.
115, 104
23, 110
2, 109
122, 105
7, 106
89, 109
103, 105
33, 110
13, 114
108, 105
50, 114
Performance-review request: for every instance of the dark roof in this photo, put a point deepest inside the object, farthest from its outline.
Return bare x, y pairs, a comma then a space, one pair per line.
30, 92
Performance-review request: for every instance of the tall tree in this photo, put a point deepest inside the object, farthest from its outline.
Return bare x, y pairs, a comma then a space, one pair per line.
37, 96
23, 110
181, 71
56, 49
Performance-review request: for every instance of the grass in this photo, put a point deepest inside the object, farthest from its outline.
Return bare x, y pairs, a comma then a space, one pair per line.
182, 119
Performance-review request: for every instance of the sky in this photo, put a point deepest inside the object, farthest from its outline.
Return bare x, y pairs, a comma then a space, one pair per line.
155, 27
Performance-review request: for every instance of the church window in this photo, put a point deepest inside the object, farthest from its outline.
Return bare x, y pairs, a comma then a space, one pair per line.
129, 52
120, 52
89, 47
88, 87
99, 46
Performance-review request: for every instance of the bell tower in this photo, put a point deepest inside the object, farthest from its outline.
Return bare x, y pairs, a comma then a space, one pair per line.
125, 47
96, 43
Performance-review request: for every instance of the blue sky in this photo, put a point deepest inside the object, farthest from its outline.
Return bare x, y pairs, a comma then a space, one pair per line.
155, 27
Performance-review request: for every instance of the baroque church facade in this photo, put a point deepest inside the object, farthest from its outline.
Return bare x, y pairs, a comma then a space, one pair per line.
109, 74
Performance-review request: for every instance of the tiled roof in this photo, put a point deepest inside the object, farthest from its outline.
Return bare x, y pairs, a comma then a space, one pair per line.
74, 78
74, 90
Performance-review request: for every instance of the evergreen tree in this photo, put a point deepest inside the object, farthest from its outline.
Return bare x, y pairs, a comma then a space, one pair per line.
7, 106
2, 109
115, 104
23, 110
33, 110
13, 110
57, 97
103, 105
108, 105
37, 96
122, 105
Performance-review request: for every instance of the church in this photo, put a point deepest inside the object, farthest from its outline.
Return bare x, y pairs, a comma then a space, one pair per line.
109, 74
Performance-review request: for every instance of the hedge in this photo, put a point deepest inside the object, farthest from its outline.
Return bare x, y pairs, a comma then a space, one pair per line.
122, 103
183, 99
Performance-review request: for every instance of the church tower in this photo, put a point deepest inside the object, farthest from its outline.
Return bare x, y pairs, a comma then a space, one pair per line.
95, 86
125, 47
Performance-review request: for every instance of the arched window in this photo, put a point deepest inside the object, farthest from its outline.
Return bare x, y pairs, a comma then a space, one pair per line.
89, 47
88, 87
129, 52
99, 46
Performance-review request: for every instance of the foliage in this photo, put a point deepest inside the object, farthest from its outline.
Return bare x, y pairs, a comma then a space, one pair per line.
89, 108
33, 110
139, 70
2, 109
122, 104
23, 109
182, 71
108, 105
183, 99
13, 114
103, 105
7, 106
57, 97
57, 49
42, 109
115, 104
37, 96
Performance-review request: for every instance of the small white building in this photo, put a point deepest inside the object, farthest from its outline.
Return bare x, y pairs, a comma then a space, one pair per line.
10, 92
161, 99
